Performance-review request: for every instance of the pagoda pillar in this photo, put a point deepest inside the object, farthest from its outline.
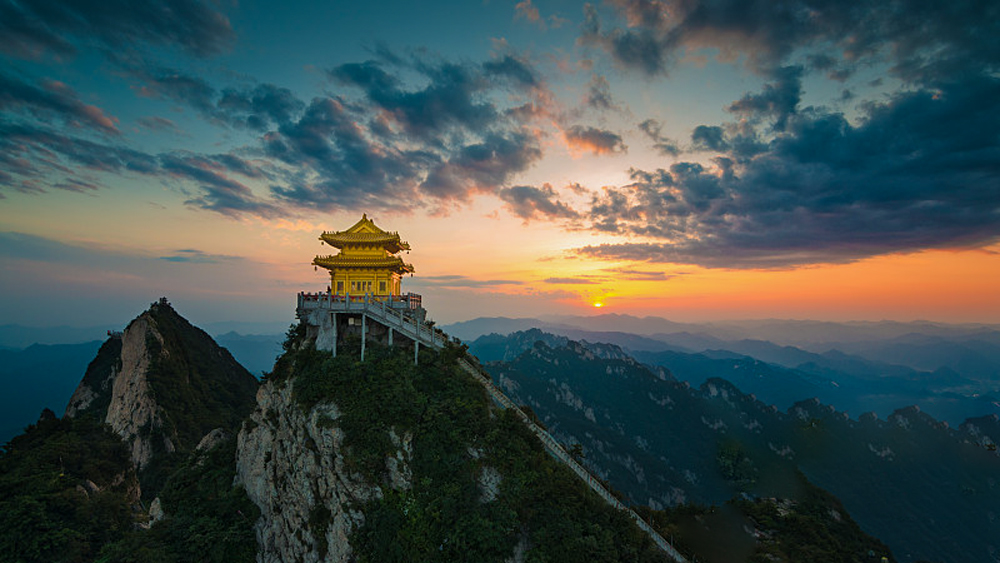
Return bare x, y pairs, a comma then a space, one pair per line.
333, 350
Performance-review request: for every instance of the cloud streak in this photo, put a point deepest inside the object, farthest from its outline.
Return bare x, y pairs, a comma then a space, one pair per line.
53, 99
32, 28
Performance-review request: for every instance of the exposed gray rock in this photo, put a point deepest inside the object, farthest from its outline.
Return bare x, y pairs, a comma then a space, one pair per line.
156, 511
212, 439
81, 399
489, 483
292, 467
133, 414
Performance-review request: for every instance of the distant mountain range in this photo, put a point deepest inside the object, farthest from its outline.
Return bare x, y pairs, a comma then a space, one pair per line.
39, 368
37, 377
927, 489
949, 371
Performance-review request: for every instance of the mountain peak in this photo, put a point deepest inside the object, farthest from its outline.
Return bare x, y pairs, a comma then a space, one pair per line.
162, 384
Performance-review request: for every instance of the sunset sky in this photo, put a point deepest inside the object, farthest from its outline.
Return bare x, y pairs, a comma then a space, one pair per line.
696, 160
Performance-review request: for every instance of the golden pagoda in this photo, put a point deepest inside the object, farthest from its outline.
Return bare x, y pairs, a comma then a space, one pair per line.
367, 263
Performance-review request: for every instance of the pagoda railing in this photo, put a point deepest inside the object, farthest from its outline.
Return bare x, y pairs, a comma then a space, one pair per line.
396, 312
391, 312
323, 300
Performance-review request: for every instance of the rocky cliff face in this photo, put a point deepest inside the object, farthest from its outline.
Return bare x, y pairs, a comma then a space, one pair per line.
289, 464
133, 413
386, 460
162, 385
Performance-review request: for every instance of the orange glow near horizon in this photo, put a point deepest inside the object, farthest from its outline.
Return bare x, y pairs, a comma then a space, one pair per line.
941, 285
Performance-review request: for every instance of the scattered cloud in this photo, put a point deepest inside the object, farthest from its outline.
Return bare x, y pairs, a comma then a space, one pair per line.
917, 172
599, 94
528, 11
663, 145
582, 139
529, 202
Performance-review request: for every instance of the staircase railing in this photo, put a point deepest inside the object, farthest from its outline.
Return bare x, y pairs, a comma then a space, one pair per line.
418, 331
556, 450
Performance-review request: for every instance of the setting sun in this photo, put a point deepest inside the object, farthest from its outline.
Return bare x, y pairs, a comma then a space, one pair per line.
598, 305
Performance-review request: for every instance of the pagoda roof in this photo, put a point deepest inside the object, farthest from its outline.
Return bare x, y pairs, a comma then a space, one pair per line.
394, 263
365, 232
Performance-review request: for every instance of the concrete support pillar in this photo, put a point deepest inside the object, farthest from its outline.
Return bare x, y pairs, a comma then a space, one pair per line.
364, 335
416, 349
334, 349
390, 336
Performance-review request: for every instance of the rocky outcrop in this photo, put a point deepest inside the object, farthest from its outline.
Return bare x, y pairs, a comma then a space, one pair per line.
133, 413
94, 390
291, 465
162, 385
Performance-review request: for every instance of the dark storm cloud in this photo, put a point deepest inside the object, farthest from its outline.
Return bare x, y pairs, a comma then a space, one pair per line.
53, 99
32, 28
920, 171
593, 140
529, 202
922, 41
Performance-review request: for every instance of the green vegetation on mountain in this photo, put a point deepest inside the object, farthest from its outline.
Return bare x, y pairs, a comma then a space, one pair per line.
813, 526
98, 375
922, 487
448, 514
39, 376
65, 490
199, 384
207, 518
67, 494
